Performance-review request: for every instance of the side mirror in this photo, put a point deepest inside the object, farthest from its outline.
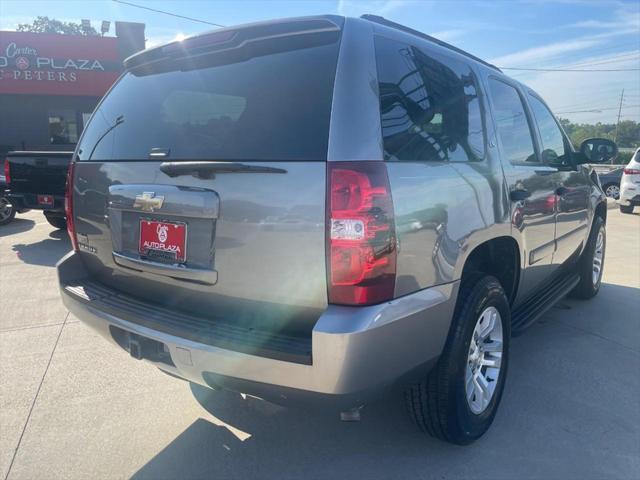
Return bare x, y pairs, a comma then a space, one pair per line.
598, 150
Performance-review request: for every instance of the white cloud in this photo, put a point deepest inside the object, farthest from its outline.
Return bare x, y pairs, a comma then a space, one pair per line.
448, 35
535, 54
11, 22
624, 17
538, 54
354, 8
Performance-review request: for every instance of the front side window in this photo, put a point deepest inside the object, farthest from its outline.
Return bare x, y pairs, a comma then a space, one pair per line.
512, 125
430, 107
63, 128
553, 145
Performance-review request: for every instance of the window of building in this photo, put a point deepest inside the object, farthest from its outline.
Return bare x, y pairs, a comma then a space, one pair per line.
513, 127
429, 105
63, 127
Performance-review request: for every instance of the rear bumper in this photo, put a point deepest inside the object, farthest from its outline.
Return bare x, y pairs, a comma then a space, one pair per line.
356, 352
632, 198
29, 201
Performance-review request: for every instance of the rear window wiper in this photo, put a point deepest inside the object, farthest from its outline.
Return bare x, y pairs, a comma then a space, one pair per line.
210, 169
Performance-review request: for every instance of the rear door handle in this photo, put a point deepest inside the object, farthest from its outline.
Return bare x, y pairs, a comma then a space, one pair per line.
519, 194
560, 191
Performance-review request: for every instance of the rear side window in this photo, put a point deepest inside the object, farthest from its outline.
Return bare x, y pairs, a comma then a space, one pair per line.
512, 124
429, 105
273, 106
554, 149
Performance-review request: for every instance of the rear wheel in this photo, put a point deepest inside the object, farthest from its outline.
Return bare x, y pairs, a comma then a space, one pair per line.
591, 263
7, 211
612, 190
56, 221
626, 208
458, 399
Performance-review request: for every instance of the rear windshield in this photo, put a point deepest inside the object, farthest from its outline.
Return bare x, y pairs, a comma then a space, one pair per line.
269, 107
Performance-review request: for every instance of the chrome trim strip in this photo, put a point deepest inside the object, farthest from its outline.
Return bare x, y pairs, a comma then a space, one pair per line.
209, 277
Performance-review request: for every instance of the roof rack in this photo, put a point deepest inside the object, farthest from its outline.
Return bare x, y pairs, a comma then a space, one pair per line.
388, 23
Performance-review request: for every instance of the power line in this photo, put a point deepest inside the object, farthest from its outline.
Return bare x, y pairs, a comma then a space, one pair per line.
627, 57
597, 110
591, 52
572, 69
167, 13
595, 99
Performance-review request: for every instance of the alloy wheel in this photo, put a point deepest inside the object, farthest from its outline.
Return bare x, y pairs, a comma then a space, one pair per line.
484, 360
5, 209
613, 191
598, 255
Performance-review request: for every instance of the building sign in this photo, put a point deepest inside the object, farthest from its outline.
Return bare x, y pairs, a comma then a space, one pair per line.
49, 64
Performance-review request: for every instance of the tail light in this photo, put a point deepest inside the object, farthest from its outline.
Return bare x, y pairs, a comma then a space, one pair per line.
68, 207
361, 244
627, 171
7, 171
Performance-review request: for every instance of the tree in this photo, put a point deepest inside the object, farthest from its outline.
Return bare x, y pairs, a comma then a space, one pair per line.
628, 132
51, 25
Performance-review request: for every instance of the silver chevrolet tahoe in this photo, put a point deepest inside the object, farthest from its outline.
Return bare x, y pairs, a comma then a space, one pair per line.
314, 210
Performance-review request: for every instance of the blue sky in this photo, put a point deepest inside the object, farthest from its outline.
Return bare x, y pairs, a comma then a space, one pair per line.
573, 34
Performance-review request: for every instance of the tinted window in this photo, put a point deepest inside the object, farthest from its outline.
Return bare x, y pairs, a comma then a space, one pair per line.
430, 109
274, 106
512, 124
553, 146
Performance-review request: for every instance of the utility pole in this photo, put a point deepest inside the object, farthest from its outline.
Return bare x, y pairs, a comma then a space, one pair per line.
615, 137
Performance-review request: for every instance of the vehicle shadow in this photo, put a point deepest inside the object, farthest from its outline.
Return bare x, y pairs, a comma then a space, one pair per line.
46, 252
541, 407
268, 441
18, 225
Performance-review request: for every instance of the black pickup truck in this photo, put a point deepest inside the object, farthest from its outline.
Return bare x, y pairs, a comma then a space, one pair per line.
36, 180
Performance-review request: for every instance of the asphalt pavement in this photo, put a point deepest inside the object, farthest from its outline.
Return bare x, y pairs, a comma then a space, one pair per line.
73, 406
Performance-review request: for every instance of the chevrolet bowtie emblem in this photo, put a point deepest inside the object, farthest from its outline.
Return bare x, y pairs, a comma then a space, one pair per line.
148, 201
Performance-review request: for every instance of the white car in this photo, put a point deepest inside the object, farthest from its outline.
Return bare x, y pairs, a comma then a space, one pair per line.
630, 185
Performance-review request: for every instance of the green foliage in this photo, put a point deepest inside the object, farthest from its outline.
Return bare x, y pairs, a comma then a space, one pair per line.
51, 25
623, 158
628, 132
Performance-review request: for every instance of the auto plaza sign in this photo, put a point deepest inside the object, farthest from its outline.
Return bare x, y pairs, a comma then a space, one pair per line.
49, 64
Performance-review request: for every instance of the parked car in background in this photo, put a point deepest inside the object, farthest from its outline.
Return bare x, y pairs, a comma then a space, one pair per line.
7, 209
314, 210
610, 182
36, 180
630, 185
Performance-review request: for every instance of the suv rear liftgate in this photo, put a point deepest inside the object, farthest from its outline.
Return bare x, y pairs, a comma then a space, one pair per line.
203, 214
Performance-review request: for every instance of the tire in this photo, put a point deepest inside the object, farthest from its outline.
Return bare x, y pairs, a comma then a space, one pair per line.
612, 190
626, 209
57, 222
7, 213
589, 284
438, 404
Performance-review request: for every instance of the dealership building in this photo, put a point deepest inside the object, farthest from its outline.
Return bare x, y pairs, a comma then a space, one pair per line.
50, 84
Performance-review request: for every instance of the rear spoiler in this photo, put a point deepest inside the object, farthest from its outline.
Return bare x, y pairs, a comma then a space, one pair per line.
232, 38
